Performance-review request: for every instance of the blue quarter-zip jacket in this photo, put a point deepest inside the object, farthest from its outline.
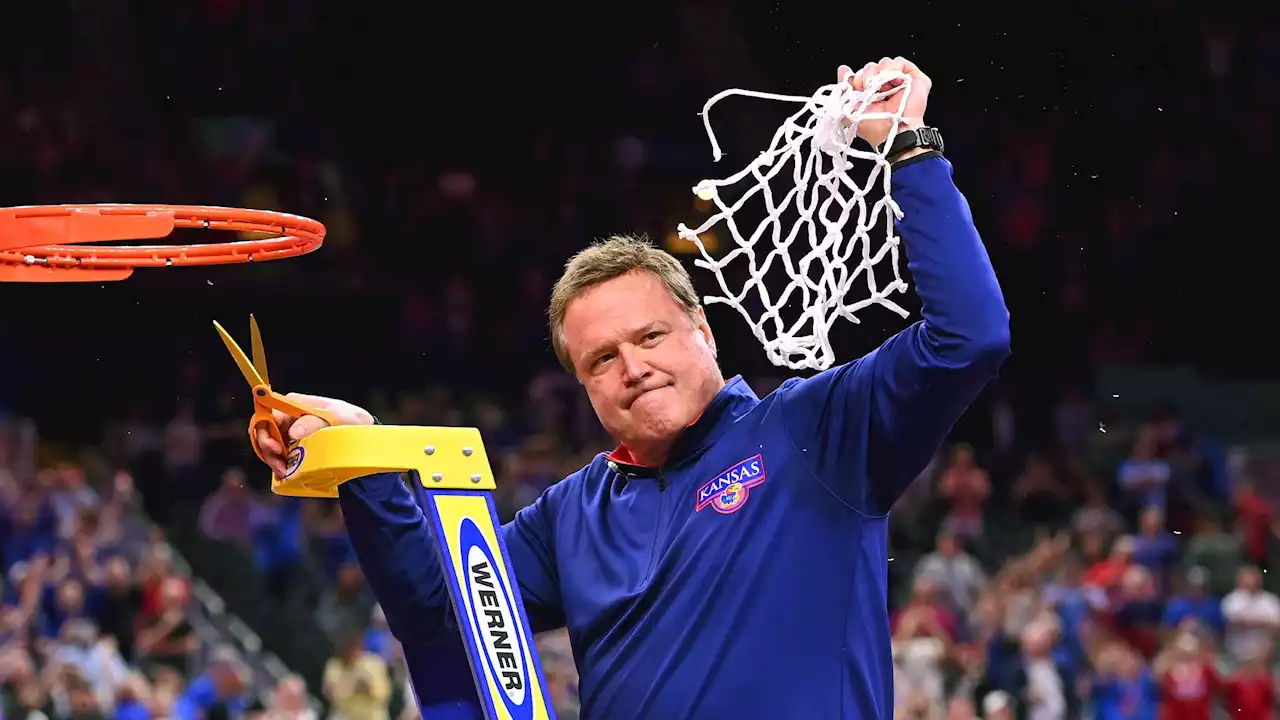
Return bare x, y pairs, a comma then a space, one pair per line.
747, 577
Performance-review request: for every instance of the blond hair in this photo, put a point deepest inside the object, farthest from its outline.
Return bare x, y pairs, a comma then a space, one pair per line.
605, 260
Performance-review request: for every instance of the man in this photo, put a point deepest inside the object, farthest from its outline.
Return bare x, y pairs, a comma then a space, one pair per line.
1253, 617
687, 594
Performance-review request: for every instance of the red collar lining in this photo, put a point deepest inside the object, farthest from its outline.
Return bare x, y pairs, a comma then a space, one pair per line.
622, 453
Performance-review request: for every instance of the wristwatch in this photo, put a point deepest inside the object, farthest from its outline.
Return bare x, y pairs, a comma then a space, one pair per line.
925, 137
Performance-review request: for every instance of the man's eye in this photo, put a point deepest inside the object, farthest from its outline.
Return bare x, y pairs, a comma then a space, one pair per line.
652, 336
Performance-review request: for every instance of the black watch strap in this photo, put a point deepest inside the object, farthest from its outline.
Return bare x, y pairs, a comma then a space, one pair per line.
926, 137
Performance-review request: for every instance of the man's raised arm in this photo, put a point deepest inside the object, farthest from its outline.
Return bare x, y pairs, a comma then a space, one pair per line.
875, 423
924, 378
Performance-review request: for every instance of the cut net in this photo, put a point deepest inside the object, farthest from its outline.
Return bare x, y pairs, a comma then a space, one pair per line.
830, 209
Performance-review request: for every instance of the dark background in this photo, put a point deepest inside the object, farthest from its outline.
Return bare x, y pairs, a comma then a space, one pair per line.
1140, 177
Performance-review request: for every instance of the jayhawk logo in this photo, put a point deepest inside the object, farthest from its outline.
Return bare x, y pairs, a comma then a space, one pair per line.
293, 460
729, 491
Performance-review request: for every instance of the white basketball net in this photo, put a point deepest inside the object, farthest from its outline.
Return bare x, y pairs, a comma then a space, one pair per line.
815, 143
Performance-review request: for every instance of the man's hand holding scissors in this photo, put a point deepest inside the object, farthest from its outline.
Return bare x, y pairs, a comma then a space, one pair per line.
280, 420
295, 428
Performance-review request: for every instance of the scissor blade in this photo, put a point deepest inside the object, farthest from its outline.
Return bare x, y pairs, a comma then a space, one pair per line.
255, 347
246, 368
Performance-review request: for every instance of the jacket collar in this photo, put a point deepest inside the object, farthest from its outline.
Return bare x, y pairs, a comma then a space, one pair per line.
733, 401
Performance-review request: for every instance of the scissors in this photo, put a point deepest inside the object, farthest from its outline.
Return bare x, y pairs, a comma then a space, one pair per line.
264, 398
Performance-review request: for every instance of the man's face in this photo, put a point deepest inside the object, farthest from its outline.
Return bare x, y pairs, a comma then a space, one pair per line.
648, 367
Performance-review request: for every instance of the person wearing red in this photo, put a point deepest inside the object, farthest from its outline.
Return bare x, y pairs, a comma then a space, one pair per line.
1106, 573
1250, 693
1188, 682
1136, 611
1254, 518
926, 607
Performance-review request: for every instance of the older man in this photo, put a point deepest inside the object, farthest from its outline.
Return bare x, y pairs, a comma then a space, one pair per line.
728, 559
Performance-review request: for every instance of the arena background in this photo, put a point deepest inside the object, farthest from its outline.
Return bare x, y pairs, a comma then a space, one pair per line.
1118, 164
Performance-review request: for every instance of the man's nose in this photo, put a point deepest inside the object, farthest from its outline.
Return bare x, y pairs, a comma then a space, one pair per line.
634, 367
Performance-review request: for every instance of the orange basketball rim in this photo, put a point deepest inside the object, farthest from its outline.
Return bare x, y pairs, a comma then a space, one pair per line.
57, 243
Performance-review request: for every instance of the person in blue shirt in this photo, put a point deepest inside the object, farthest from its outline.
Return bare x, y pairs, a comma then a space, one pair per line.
277, 542
1155, 547
1123, 689
1195, 604
728, 559
219, 691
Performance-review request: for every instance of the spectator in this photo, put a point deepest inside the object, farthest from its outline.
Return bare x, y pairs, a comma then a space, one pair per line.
183, 444
1038, 494
1250, 692
1253, 618
1194, 609
346, 605
562, 675
1042, 684
378, 638
154, 575
1218, 552
927, 609
278, 542
29, 531
81, 654
69, 496
1144, 477
76, 557
1123, 689
1075, 605
133, 699
329, 536
1138, 610
289, 701
119, 606
356, 682
218, 692
1108, 572
967, 487
1187, 679
920, 645
74, 698
958, 574
1154, 547
1073, 420
24, 695
63, 602
167, 640
1253, 522
167, 691
226, 514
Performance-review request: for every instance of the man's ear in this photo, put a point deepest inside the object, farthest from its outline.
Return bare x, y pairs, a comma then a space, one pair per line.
704, 328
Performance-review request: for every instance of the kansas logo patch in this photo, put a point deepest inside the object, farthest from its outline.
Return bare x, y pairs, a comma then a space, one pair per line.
729, 490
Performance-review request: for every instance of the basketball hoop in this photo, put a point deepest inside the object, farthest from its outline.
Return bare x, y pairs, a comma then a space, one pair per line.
58, 243
813, 149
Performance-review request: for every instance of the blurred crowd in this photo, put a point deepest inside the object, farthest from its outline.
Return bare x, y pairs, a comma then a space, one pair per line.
1085, 566
95, 620
1129, 573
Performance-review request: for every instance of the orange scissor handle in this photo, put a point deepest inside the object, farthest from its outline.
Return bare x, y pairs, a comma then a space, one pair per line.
260, 420
264, 402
